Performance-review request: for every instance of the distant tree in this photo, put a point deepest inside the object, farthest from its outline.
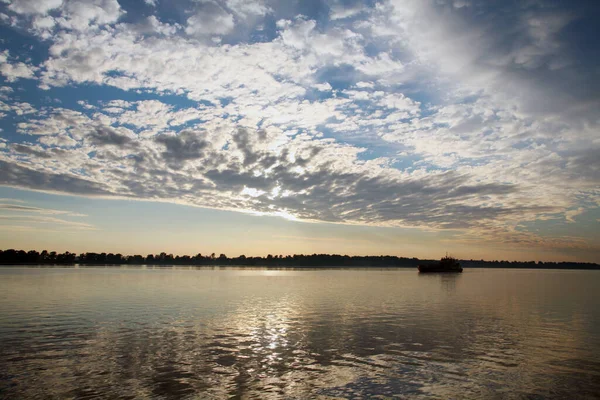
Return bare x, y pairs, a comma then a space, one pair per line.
12, 256
33, 256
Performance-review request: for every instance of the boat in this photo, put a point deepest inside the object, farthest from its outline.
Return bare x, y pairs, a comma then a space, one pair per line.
446, 264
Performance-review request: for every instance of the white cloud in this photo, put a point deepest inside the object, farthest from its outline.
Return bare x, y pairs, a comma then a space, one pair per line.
13, 71
571, 214
211, 19
162, 28
30, 219
364, 85
36, 210
81, 15
33, 6
323, 87
17, 108
58, 141
339, 11
59, 122
43, 24
246, 8
18, 70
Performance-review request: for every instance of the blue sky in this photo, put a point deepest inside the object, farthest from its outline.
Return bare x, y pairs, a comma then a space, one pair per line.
461, 125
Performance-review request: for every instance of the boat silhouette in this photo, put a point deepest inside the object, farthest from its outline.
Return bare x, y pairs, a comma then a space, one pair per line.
446, 264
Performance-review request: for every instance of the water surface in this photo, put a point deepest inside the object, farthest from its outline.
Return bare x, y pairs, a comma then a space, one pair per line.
258, 333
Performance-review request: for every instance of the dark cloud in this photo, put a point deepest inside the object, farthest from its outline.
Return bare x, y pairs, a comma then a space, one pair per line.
187, 145
586, 165
108, 136
17, 175
241, 139
32, 151
316, 189
328, 194
38, 152
540, 50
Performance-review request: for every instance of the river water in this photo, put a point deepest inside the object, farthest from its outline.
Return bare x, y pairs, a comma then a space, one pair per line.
211, 333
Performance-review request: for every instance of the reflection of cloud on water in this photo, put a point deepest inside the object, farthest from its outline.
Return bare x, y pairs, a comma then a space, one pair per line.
292, 334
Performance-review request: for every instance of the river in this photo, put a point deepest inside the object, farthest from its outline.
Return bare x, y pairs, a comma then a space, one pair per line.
215, 333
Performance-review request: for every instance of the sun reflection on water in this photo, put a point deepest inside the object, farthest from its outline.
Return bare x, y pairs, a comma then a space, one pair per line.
294, 334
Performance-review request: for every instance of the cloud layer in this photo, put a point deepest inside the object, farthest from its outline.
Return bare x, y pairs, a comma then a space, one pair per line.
472, 115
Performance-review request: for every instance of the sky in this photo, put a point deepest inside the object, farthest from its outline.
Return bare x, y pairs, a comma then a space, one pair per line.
401, 127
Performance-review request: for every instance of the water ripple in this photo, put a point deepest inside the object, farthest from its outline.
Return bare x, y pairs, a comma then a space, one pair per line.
213, 334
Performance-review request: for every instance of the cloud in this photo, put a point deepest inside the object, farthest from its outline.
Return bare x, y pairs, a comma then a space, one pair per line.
448, 114
302, 177
247, 8
4, 91
29, 219
58, 141
34, 6
13, 71
19, 108
341, 11
82, 14
210, 19
187, 145
31, 150
19, 176
38, 210
152, 25
571, 214
9, 200
107, 136
522, 56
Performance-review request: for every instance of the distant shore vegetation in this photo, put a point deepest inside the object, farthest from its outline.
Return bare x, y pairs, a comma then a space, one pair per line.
33, 257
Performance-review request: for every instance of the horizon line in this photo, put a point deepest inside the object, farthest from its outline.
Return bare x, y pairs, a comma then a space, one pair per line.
212, 257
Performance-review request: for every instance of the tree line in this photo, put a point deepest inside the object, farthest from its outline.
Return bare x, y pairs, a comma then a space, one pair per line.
33, 257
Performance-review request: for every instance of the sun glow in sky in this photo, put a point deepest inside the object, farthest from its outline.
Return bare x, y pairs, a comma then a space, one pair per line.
405, 127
